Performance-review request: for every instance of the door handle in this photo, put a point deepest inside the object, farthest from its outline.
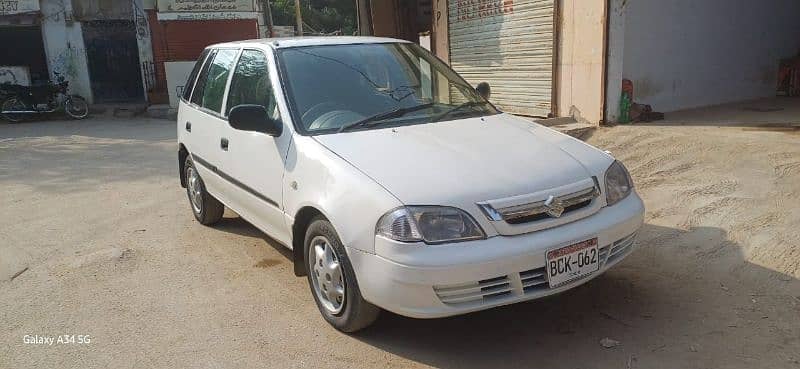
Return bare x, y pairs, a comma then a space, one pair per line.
188, 126
223, 144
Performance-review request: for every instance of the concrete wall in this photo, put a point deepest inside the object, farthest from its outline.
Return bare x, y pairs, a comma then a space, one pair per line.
63, 43
63, 37
614, 58
86, 10
580, 68
143, 39
15, 74
688, 53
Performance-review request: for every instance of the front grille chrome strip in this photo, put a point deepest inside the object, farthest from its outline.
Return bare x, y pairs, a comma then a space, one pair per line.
512, 213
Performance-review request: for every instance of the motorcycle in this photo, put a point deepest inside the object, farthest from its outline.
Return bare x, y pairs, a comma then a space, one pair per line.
21, 102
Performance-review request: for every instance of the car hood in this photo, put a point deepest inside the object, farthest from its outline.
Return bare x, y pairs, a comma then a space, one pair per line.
460, 162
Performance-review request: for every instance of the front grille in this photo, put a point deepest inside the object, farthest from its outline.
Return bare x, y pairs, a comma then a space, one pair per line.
534, 217
621, 248
529, 282
539, 210
534, 280
603, 254
542, 210
474, 291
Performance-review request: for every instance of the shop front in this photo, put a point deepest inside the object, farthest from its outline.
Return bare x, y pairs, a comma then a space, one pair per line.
21, 33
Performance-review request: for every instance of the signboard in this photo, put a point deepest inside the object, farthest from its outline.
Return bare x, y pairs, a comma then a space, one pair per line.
168, 6
205, 15
177, 74
8, 7
480, 9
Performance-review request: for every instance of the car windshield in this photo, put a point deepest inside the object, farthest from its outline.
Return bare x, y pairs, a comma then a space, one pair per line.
335, 88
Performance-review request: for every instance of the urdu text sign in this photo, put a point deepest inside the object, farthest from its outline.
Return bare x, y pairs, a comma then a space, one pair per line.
205, 5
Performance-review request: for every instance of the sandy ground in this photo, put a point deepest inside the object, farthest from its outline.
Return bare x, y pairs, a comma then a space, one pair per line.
94, 210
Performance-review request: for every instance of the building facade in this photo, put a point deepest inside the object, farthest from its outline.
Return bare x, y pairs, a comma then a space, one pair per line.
543, 58
569, 58
117, 50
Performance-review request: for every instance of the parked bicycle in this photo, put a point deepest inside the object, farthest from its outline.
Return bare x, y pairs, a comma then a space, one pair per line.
21, 102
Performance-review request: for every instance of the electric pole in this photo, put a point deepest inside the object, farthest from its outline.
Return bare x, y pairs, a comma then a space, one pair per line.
268, 15
299, 17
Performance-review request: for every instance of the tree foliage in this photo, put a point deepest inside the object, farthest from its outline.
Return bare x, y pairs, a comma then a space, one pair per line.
324, 16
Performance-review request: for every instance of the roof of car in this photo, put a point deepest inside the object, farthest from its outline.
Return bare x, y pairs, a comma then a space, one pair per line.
284, 42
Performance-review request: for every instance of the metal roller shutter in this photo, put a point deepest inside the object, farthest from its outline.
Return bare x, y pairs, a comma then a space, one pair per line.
509, 44
184, 40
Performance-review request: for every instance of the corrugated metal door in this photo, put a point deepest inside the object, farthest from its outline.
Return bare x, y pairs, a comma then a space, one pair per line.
509, 44
184, 40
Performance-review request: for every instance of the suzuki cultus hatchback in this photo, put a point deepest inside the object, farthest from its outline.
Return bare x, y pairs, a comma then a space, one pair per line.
397, 185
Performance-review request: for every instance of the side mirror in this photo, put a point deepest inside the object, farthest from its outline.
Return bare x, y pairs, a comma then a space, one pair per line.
249, 117
484, 90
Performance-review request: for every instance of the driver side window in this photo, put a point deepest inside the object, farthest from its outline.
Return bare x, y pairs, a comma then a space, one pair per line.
251, 84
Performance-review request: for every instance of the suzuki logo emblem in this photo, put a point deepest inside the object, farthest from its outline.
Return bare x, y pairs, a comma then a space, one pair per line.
554, 207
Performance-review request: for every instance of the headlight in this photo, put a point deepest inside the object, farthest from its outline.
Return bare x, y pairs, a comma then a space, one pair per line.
618, 183
432, 224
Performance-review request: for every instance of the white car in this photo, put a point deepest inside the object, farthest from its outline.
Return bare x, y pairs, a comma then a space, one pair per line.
397, 185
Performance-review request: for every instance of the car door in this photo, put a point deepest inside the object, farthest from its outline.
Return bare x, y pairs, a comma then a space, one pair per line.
204, 120
191, 130
255, 161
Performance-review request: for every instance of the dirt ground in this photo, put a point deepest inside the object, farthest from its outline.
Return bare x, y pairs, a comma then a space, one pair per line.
94, 211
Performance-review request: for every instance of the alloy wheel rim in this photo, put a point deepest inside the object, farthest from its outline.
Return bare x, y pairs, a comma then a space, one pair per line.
195, 190
326, 275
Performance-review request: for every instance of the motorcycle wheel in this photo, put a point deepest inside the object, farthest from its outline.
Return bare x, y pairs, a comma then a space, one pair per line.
12, 103
76, 107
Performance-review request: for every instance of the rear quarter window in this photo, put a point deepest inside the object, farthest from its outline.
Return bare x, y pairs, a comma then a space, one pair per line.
189, 85
197, 94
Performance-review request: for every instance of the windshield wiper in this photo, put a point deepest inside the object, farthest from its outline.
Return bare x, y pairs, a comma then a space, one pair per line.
394, 113
468, 104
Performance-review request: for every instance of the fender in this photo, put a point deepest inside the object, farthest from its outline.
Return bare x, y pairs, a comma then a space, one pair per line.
319, 179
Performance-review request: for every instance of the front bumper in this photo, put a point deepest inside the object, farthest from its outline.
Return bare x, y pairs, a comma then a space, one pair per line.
431, 281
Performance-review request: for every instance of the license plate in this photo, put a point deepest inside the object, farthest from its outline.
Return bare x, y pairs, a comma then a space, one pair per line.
572, 262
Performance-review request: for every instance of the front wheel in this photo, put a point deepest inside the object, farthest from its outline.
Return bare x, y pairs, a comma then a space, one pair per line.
332, 280
12, 104
76, 107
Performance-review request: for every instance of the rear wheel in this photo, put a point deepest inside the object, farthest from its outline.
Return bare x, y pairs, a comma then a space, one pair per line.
332, 280
76, 107
12, 104
206, 209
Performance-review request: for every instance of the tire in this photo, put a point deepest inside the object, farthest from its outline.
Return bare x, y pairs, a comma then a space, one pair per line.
353, 313
12, 103
206, 209
76, 107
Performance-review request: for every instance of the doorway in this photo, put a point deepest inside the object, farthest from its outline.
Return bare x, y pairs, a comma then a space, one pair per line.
28, 54
113, 59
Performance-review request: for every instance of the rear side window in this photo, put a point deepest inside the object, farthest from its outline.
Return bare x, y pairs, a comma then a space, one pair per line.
250, 83
216, 79
197, 95
189, 85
